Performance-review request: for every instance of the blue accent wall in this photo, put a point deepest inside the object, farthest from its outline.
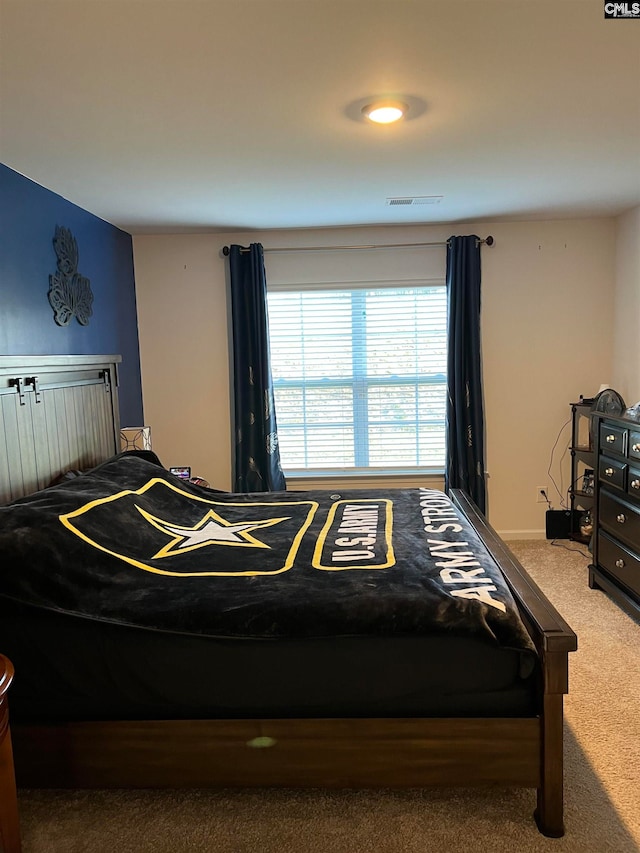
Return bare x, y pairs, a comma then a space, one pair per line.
29, 214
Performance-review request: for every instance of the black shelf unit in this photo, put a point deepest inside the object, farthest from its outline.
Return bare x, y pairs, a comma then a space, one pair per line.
582, 483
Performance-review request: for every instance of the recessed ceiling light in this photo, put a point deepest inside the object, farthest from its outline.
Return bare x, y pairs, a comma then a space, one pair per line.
385, 112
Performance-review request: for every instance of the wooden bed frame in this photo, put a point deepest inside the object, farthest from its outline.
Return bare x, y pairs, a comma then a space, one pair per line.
380, 752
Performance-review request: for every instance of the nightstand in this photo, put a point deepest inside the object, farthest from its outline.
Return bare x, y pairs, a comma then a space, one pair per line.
9, 826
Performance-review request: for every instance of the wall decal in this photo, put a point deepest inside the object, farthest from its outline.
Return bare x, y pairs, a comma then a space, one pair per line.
69, 292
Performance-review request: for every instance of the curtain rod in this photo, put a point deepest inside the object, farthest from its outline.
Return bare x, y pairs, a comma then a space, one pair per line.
489, 241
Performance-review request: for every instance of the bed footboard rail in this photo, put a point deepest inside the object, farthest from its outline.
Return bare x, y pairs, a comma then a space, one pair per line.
553, 639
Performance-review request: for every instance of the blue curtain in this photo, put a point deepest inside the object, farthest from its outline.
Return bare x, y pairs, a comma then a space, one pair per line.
257, 457
464, 413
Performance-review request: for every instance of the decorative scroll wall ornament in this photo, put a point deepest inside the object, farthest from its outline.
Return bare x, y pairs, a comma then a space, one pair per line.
69, 292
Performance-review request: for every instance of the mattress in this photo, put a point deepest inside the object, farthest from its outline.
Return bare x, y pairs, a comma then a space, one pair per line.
69, 668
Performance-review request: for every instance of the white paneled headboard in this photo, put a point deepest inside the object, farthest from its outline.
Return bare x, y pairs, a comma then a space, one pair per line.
57, 413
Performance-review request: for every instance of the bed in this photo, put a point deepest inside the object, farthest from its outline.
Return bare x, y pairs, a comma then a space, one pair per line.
359, 639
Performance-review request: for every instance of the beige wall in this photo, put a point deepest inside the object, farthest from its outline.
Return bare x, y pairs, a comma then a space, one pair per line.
182, 321
547, 324
547, 321
626, 339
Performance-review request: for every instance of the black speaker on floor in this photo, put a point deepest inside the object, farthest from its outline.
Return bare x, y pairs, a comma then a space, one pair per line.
560, 524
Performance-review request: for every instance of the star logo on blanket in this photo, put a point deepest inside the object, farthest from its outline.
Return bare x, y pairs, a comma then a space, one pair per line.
184, 534
210, 530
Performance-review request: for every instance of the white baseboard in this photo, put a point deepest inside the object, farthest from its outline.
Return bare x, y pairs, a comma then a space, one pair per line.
508, 535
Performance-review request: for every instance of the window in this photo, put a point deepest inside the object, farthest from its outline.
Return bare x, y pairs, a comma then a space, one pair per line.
360, 377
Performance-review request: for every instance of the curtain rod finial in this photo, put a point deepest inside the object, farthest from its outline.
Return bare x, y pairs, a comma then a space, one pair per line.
489, 240
225, 250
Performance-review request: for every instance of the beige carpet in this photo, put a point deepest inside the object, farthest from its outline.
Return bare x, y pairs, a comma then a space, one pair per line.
602, 775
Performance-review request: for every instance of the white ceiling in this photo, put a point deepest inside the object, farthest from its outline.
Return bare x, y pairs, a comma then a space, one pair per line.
190, 115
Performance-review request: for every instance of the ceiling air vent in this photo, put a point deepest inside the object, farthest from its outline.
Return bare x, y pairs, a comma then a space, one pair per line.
405, 201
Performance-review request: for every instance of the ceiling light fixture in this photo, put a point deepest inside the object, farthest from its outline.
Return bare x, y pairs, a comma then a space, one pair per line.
385, 112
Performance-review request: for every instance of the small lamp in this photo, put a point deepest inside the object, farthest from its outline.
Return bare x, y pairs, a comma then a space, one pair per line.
135, 438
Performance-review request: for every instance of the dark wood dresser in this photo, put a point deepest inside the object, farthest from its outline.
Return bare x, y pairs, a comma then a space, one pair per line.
616, 544
9, 826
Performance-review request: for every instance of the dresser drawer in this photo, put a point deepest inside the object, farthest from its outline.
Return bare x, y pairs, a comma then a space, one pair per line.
613, 438
613, 472
619, 562
634, 445
620, 518
633, 482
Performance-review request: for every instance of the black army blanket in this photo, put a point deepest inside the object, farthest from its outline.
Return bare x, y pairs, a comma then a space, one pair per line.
130, 543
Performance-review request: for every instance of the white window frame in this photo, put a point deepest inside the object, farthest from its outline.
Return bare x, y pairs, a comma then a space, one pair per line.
357, 471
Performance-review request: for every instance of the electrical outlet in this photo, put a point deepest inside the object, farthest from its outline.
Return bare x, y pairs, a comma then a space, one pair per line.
541, 494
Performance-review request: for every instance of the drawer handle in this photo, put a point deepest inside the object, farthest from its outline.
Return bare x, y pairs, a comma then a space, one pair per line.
620, 564
621, 518
635, 448
608, 472
635, 484
611, 439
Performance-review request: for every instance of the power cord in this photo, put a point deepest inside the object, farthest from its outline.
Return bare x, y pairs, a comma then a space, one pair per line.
558, 544
550, 475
